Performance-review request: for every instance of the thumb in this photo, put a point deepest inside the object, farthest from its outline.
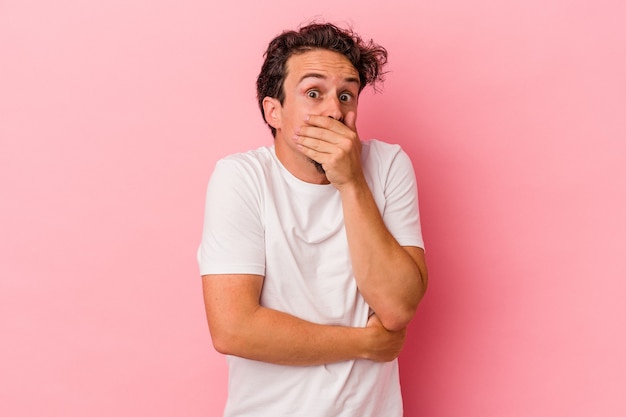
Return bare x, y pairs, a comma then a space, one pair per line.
350, 120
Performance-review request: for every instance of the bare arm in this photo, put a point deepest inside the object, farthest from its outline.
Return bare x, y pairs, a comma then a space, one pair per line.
240, 326
391, 278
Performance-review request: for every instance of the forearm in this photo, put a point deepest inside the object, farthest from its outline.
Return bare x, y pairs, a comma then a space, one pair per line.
388, 277
240, 326
272, 336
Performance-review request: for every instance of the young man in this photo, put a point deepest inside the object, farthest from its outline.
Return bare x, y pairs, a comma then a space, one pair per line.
311, 256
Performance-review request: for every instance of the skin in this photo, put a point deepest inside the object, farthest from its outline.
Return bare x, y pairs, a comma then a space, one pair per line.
317, 123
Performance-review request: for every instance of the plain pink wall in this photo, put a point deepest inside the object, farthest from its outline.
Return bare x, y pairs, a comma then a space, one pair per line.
113, 113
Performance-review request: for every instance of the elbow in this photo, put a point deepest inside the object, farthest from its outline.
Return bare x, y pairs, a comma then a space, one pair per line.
221, 346
399, 317
231, 334
224, 342
397, 321
220, 343
395, 326
402, 315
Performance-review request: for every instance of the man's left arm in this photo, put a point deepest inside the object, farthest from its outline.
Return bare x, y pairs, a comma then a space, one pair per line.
391, 278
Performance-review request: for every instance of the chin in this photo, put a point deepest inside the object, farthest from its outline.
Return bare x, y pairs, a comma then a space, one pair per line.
319, 167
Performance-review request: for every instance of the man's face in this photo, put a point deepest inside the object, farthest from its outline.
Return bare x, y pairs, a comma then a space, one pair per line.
318, 82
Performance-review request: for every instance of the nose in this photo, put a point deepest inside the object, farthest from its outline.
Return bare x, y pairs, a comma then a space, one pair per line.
333, 108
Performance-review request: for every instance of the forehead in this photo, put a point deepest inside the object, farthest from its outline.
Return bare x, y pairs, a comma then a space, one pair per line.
320, 61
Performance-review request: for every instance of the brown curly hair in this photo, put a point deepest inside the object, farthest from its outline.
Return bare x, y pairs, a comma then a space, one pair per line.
368, 58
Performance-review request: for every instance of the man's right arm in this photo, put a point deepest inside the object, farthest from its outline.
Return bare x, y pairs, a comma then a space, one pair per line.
240, 326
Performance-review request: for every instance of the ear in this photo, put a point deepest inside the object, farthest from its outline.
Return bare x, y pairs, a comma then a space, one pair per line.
272, 110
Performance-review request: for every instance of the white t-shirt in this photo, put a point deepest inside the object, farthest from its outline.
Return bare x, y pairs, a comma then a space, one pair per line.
261, 220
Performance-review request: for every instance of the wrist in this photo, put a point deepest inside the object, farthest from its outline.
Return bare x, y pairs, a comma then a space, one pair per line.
353, 188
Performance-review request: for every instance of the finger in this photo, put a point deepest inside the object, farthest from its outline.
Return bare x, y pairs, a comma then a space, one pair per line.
326, 122
315, 155
314, 144
319, 133
313, 147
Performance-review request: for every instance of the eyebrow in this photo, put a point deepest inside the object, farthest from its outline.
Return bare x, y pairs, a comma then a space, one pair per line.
323, 77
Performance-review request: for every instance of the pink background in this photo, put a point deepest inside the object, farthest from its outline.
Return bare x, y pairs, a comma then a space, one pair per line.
113, 113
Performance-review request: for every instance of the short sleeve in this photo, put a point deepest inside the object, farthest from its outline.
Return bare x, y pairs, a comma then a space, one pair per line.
401, 212
233, 233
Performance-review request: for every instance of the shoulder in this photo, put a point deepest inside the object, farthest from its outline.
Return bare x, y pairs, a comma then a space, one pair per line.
241, 177
382, 156
254, 159
248, 166
380, 147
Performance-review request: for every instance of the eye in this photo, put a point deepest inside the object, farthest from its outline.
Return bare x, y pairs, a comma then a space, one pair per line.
345, 97
313, 93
